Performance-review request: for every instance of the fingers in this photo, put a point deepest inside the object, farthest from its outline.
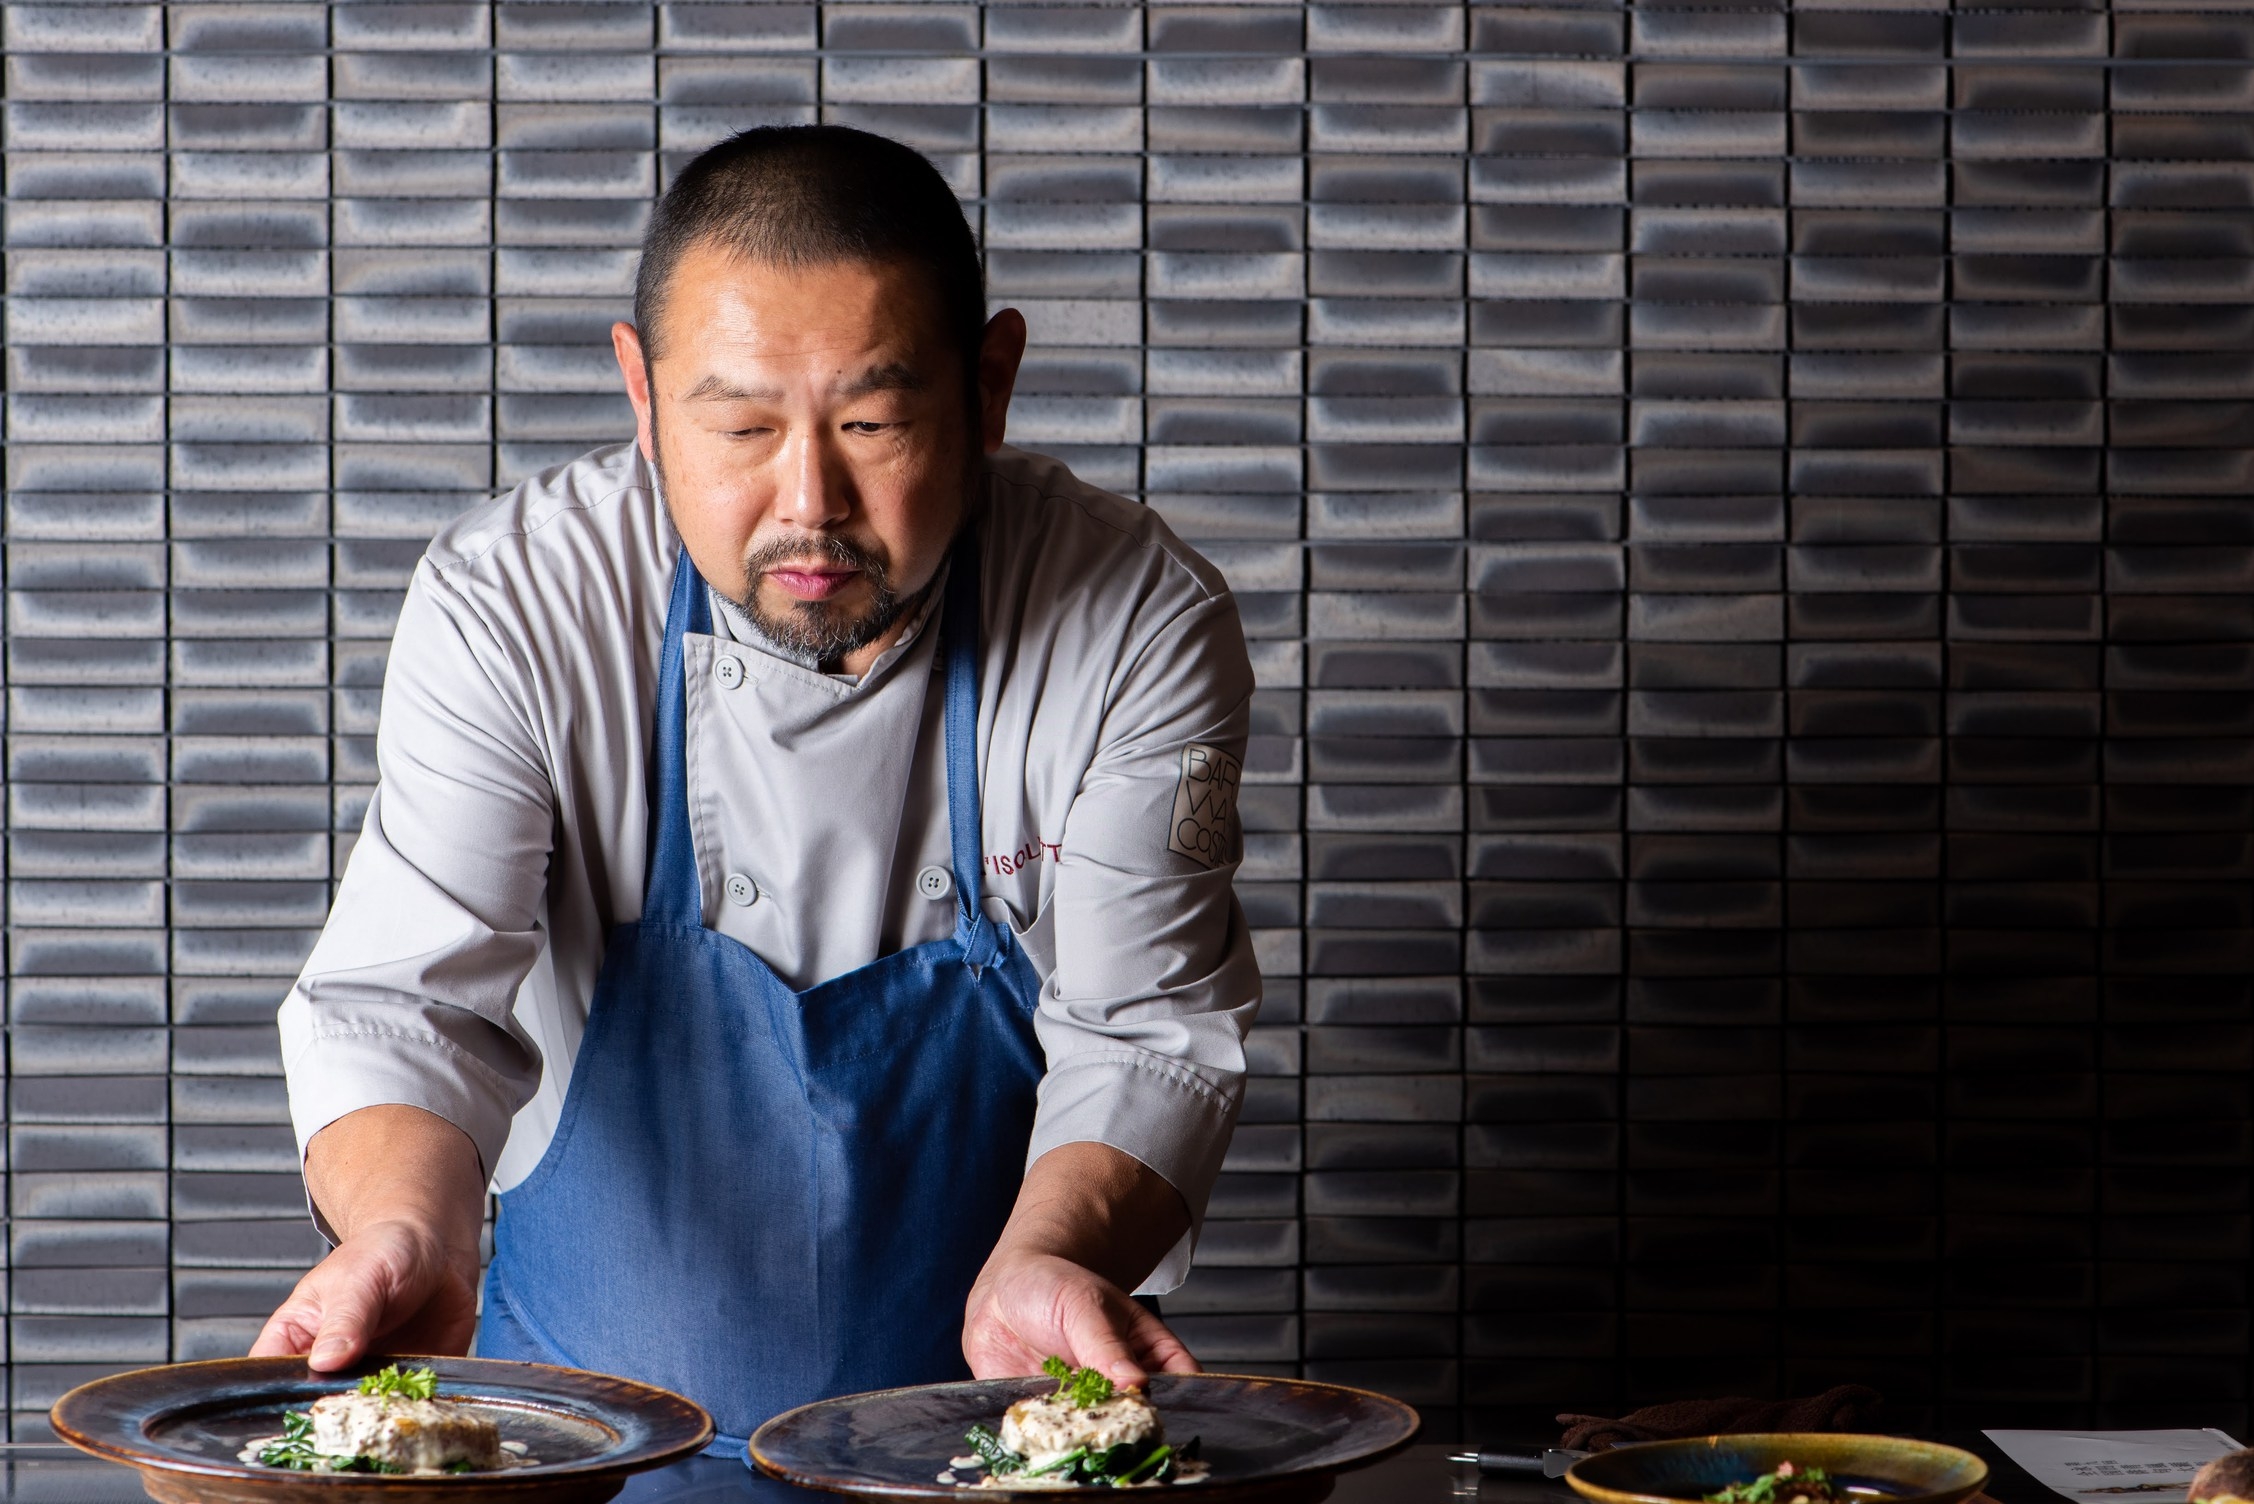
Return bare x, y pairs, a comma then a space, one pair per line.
324, 1318
344, 1333
289, 1331
341, 1305
1095, 1318
353, 1299
1155, 1344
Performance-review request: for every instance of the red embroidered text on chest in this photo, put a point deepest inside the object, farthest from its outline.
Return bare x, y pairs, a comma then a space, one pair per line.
1010, 863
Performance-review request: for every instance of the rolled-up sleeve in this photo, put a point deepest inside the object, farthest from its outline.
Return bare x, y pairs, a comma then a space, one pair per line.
407, 996
1154, 985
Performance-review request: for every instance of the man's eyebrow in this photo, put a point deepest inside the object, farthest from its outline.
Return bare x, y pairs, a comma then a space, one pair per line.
894, 376
891, 377
717, 388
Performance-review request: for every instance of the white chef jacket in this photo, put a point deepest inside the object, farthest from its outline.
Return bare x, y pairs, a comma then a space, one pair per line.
508, 830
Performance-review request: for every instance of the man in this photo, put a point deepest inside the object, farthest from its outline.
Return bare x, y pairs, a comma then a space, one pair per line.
799, 875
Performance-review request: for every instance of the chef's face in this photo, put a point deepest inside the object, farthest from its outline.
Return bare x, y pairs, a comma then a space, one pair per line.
815, 438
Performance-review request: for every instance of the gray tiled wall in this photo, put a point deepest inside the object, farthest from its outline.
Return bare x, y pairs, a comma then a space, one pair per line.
1742, 513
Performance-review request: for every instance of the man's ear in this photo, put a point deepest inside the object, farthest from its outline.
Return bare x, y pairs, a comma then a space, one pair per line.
1000, 351
626, 344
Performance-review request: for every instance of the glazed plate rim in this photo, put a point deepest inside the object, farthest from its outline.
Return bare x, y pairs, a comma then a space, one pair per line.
108, 1417
1406, 1423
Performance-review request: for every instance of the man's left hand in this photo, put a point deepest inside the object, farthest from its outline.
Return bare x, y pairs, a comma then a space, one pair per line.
1090, 1222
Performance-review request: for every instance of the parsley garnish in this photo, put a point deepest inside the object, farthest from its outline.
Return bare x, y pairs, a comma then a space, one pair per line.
1083, 1386
391, 1383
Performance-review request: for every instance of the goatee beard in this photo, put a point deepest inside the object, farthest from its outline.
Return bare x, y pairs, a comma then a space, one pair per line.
823, 630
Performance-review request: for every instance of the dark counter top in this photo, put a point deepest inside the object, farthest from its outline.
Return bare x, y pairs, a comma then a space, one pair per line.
53, 1474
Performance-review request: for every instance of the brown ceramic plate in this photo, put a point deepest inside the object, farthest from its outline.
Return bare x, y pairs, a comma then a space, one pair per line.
1879, 1469
182, 1425
1267, 1439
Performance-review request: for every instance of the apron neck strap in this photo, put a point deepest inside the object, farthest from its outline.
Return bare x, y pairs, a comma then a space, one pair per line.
980, 936
669, 893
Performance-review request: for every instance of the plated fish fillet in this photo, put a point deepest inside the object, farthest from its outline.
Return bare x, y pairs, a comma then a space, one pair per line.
411, 1436
1044, 1428
393, 1422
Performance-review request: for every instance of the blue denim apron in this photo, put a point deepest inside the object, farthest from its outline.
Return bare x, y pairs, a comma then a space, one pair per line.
760, 1197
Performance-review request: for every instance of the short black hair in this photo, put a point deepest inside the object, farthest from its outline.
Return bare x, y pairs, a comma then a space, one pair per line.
815, 195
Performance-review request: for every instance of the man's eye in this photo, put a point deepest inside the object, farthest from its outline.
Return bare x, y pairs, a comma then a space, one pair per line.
867, 426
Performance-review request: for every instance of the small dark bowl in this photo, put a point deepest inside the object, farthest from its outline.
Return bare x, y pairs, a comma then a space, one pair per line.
1883, 1469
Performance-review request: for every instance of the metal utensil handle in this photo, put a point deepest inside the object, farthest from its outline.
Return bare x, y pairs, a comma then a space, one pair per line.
1524, 1464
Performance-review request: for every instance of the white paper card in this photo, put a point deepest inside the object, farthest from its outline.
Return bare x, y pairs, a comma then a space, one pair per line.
2095, 1467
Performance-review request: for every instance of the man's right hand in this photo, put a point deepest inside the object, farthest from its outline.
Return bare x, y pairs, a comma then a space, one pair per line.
403, 1190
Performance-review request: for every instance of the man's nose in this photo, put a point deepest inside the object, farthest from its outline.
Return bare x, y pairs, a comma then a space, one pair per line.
815, 491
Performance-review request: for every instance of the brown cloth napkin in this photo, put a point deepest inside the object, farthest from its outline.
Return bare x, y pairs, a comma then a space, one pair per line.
1849, 1407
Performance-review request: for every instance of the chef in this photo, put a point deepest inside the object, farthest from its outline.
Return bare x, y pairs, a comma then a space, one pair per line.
798, 877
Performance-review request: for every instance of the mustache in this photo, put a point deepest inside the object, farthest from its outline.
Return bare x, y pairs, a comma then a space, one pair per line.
821, 548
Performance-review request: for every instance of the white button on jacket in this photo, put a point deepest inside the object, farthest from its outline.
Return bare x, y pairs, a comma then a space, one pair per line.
507, 833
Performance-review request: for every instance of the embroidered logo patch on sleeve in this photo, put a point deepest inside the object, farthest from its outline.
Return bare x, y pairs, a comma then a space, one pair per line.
1205, 806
